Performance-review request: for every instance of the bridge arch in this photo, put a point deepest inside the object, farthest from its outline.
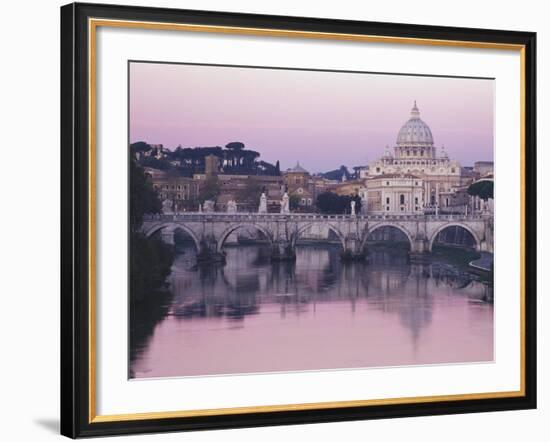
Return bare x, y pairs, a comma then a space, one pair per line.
307, 226
471, 231
381, 225
172, 227
225, 234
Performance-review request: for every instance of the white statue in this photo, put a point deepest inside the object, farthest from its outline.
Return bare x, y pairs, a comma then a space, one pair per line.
363, 206
285, 205
231, 206
200, 208
208, 206
167, 207
263, 204
352, 208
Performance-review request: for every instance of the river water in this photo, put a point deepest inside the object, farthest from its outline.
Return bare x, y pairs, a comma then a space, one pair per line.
251, 315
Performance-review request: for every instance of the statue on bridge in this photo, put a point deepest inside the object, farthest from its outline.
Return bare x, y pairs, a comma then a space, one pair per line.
285, 204
231, 206
352, 208
263, 204
208, 206
167, 207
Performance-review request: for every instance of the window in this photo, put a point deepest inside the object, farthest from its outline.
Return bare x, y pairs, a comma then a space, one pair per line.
416, 183
402, 208
401, 199
387, 209
377, 169
416, 201
387, 183
303, 202
179, 196
452, 170
387, 200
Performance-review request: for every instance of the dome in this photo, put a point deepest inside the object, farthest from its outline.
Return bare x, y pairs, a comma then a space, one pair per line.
298, 169
415, 131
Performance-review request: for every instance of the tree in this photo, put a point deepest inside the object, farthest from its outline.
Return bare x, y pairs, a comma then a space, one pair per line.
150, 258
210, 189
143, 197
293, 202
483, 189
331, 203
337, 174
235, 145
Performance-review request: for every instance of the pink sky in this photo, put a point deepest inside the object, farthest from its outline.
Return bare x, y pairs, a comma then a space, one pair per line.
322, 119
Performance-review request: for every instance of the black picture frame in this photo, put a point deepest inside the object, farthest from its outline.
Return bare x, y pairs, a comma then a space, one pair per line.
76, 403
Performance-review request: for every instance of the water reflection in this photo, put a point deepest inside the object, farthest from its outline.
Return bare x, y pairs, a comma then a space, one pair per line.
253, 315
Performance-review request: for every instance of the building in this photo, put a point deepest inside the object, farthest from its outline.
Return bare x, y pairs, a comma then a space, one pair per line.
483, 168
300, 184
211, 165
349, 188
415, 159
245, 190
182, 192
393, 193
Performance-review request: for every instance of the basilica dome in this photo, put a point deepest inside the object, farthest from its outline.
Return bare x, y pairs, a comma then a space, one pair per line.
415, 131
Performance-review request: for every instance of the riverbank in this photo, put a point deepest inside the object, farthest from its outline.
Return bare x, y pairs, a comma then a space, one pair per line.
483, 263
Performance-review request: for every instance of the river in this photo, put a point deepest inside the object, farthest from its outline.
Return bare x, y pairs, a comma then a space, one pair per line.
251, 315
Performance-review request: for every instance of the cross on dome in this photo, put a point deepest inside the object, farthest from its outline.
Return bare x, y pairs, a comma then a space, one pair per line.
415, 113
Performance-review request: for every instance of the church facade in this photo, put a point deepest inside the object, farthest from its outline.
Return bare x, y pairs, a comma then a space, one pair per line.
417, 177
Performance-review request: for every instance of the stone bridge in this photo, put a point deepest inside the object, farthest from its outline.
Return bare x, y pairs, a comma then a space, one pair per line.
209, 231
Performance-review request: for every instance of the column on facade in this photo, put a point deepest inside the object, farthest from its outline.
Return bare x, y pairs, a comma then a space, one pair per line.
437, 193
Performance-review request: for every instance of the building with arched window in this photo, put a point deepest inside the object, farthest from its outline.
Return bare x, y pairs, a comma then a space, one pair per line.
393, 194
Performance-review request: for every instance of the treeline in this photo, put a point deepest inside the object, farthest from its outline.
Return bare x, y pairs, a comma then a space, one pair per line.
234, 159
334, 204
150, 258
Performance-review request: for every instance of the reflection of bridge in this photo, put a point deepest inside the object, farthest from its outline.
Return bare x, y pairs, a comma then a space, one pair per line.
209, 231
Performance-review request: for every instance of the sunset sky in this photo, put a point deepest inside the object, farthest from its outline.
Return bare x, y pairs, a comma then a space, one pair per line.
322, 119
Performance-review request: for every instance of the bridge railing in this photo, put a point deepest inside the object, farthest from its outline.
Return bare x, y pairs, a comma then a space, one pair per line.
265, 217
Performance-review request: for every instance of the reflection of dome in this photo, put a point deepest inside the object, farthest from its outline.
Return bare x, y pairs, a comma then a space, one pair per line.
415, 131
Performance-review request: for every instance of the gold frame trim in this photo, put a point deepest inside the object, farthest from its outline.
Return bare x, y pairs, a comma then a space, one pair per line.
93, 24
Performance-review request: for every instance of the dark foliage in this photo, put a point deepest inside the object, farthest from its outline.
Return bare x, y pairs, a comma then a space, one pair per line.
188, 161
331, 203
235, 145
337, 174
150, 263
143, 198
482, 189
150, 258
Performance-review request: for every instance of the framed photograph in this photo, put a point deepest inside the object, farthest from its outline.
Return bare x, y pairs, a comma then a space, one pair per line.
274, 220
